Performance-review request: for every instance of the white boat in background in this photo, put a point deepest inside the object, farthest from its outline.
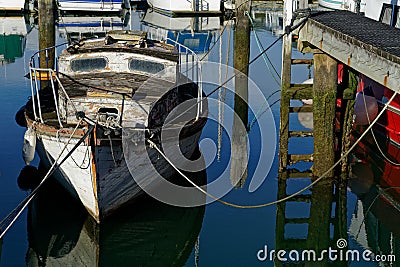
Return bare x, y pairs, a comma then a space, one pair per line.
350, 5
12, 5
13, 31
385, 11
195, 33
74, 28
176, 6
93, 5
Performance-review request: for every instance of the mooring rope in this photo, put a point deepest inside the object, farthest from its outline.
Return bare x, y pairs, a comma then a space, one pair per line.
324, 175
10, 219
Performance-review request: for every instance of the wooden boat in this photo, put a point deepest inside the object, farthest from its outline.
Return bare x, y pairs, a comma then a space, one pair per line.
181, 6
15, 5
113, 81
92, 5
61, 234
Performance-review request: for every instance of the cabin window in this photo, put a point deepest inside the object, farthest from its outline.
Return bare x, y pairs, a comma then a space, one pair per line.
88, 64
145, 66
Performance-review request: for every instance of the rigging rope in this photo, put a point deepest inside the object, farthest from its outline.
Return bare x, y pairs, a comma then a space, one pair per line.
324, 175
10, 219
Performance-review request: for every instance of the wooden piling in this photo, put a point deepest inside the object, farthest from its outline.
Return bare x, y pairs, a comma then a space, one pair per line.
47, 37
285, 86
318, 238
241, 60
324, 103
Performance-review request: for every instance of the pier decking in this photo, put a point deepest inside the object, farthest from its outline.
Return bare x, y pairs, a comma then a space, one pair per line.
365, 45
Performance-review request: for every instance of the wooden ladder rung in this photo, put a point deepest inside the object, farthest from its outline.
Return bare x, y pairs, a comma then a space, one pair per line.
294, 243
296, 61
304, 108
294, 158
293, 173
300, 198
301, 133
297, 220
300, 91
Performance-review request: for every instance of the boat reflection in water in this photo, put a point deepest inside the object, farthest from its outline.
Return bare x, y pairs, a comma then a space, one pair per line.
13, 31
60, 233
375, 180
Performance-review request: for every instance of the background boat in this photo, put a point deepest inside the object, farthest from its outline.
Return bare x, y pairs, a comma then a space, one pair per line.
14, 5
343, 4
174, 6
74, 28
195, 33
92, 5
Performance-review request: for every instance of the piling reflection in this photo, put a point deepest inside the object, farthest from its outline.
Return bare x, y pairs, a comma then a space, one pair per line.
310, 222
241, 59
148, 233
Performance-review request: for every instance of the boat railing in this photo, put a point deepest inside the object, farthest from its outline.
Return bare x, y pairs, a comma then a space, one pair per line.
190, 67
43, 75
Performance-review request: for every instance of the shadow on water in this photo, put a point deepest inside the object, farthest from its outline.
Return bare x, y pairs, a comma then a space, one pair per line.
148, 233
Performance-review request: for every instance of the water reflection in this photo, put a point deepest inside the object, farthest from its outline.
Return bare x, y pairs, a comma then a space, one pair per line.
60, 233
13, 32
313, 221
374, 179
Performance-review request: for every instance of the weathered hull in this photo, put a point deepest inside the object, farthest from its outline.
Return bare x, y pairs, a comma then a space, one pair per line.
99, 176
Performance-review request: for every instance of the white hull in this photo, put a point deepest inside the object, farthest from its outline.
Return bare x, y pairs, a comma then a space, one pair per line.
14, 5
184, 5
96, 6
100, 185
13, 25
342, 4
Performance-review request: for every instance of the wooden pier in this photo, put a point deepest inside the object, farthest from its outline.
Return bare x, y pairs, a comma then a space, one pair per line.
362, 46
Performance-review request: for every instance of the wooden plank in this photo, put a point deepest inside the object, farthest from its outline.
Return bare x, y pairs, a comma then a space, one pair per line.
300, 91
302, 109
294, 158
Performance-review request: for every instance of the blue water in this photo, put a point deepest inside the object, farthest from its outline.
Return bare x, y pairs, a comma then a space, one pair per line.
227, 237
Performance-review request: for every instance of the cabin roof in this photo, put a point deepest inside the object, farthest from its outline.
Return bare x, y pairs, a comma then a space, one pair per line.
125, 41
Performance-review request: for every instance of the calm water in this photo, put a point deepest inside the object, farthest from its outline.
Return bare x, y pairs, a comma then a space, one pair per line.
56, 230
